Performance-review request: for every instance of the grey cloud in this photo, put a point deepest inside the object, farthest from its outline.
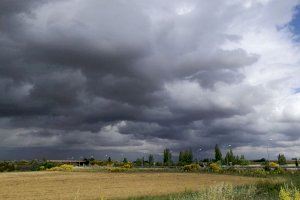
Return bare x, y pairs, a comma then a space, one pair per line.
70, 69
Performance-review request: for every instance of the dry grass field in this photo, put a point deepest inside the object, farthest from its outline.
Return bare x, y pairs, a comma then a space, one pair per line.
87, 185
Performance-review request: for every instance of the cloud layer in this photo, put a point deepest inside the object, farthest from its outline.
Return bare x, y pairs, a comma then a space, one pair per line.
138, 76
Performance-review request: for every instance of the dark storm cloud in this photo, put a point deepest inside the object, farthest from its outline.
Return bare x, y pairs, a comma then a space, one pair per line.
10, 7
123, 75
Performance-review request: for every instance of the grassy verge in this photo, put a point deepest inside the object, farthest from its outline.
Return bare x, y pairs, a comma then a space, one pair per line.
276, 187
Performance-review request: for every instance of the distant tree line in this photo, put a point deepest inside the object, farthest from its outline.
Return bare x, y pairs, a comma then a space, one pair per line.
185, 158
24, 165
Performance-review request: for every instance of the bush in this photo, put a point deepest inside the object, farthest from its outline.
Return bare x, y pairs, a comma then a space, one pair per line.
271, 166
289, 193
278, 170
98, 163
117, 169
191, 168
7, 166
127, 165
220, 191
215, 167
260, 172
64, 167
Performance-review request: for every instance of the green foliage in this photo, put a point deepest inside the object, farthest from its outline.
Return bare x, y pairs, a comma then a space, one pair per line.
98, 163
45, 165
125, 160
167, 157
281, 159
221, 191
34, 165
289, 193
231, 159
7, 166
143, 161
268, 166
215, 167
242, 161
185, 157
151, 160
271, 166
128, 165
224, 191
218, 153
191, 168
64, 167
138, 162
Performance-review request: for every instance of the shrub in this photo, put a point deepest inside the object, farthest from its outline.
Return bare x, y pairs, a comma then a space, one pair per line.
289, 193
220, 191
215, 167
117, 169
281, 159
48, 165
191, 168
7, 167
273, 165
270, 166
278, 170
127, 165
260, 172
64, 167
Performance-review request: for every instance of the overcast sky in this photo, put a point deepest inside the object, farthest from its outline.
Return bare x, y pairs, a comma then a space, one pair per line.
131, 77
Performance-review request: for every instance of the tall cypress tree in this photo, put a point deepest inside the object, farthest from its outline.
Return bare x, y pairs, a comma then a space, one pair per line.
218, 153
167, 157
151, 160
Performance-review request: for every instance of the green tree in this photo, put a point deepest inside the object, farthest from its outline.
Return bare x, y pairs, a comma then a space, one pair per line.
226, 159
185, 157
138, 162
230, 158
281, 159
180, 158
151, 160
167, 157
218, 153
109, 160
243, 161
125, 160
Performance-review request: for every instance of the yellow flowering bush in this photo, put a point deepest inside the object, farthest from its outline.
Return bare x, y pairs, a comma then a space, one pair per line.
289, 193
127, 165
273, 165
64, 167
215, 167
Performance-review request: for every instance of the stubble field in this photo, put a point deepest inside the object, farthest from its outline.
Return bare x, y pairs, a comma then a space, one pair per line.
88, 185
